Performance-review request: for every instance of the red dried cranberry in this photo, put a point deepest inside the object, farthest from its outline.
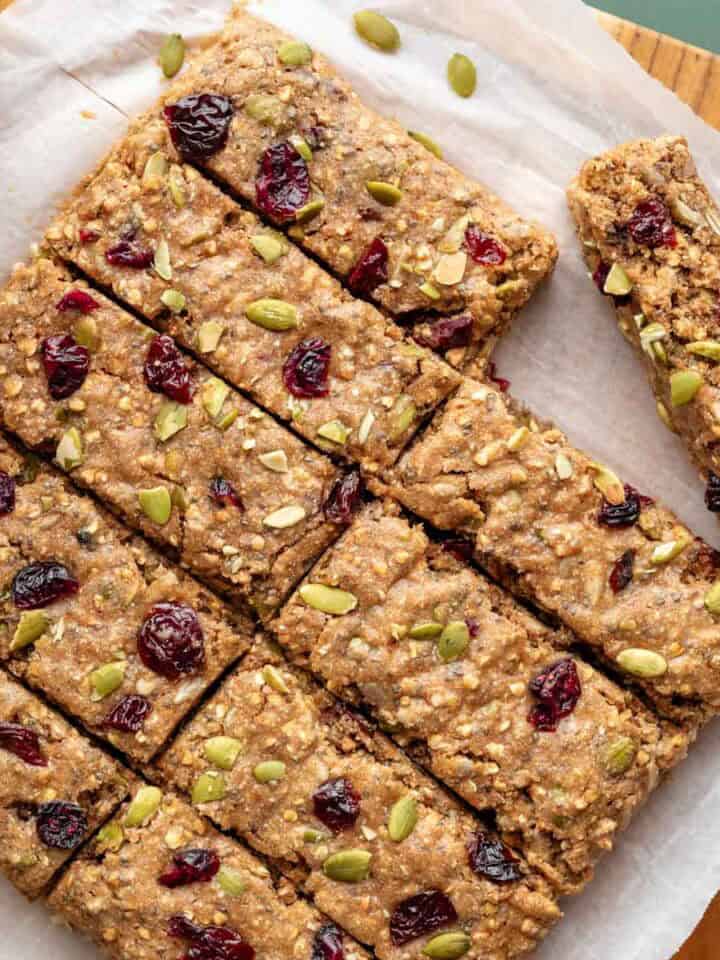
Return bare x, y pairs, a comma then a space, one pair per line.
371, 269
210, 943
42, 583
66, 365
447, 333
712, 493
224, 493
171, 641
345, 496
23, 742
88, 236
625, 514
77, 300
558, 690
651, 224
473, 627
129, 252
165, 370
501, 383
491, 859
483, 248
419, 915
282, 186
622, 572
460, 548
129, 714
328, 943
191, 866
305, 371
61, 824
7, 494
336, 803
199, 125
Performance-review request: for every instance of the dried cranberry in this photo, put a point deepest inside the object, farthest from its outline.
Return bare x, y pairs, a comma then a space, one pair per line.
419, 915
473, 626
88, 236
61, 824
191, 866
199, 125
491, 859
129, 252
712, 493
171, 641
305, 371
625, 514
371, 269
622, 572
282, 186
42, 583
66, 364
460, 548
129, 714
345, 496
165, 370
77, 300
651, 224
224, 493
337, 804
328, 943
501, 383
483, 248
209, 943
447, 333
7, 494
23, 742
558, 690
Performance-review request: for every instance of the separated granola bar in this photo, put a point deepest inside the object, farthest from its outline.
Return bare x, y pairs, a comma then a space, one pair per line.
98, 621
650, 233
274, 121
250, 304
55, 789
159, 882
471, 684
171, 448
377, 843
614, 566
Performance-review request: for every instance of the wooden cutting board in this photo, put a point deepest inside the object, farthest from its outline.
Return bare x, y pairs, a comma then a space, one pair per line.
693, 74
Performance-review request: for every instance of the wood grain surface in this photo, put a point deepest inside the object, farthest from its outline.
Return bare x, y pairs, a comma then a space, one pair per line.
693, 74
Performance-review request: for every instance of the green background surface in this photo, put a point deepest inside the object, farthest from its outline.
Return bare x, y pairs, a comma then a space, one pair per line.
695, 21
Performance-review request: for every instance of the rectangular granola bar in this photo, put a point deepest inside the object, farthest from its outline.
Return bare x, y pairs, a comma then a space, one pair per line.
250, 304
159, 882
276, 759
650, 233
171, 448
613, 565
98, 621
472, 685
45, 763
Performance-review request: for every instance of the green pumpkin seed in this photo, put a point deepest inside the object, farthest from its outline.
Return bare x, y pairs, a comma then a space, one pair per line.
403, 819
311, 835
176, 181
448, 946
31, 626
309, 211
302, 146
619, 756
172, 54
273, 678
608, 483
110, 837
171, 419
462, 75
705, 348
348, 866
265, 109
386, 193
285, 517
208, 787
161, 261
230, 881
377, 30
226, 421
402, 417
209, 335
272, 314
275, 460
86, 333
326, 599
335, 431
143, 807
107, 679
174, 300
427, 142
156, 504
430, 291
683, 386
222, 751
214, 395
453, 640
366, 425
426, 631
712, 598
269, 247
294, 53
617, 282
69, 452
180, 498
665, 552
642, 663
269, 771
156, 167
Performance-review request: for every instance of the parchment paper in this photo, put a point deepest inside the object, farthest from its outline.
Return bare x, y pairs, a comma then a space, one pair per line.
553, 88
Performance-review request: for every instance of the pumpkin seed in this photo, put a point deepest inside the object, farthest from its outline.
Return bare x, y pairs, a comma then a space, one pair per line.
69, 452
642, 663
31, 626
171, 419
222, 751
107, 678
335, 431
214, 395
176, 181
518, 439
402, 417
172, 54
269, 770
608, 483
268, 247
273, 678
563, 467
426, 631
143, 807
617, 282
366, 426
173, 299
377, 30
431, 292
275, 460
453, 640
294, 53
265, 109
309, 211
348, 866
447, 946
326, 599
230, 881
302, 146
208, 787
619, 756
156, 166
311, 835
386, 193
272, 314
209, 336
662, 412
161, 261
705, 348
427, 142
227, 420
712, 598
403, 818
285, 517
665, 552
683, 386
156, 504
110, 837
86, 333
462, 75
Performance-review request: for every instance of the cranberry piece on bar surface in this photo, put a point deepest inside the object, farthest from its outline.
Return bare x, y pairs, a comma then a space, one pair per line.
283, 182
170, 641
490, 858
336, 803
40, 584
22, 742
371, 269
305, 371
419, 915
66, 365
199, 125
61, 824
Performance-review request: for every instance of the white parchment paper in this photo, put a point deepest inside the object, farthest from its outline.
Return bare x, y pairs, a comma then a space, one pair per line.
553, 88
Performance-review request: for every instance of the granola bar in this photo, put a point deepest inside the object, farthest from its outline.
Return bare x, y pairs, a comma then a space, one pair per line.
650, 233
160, 882
359, 192
611, 564
274, 758
248, 303
170, 447
55, 789
473, 685
99, 622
